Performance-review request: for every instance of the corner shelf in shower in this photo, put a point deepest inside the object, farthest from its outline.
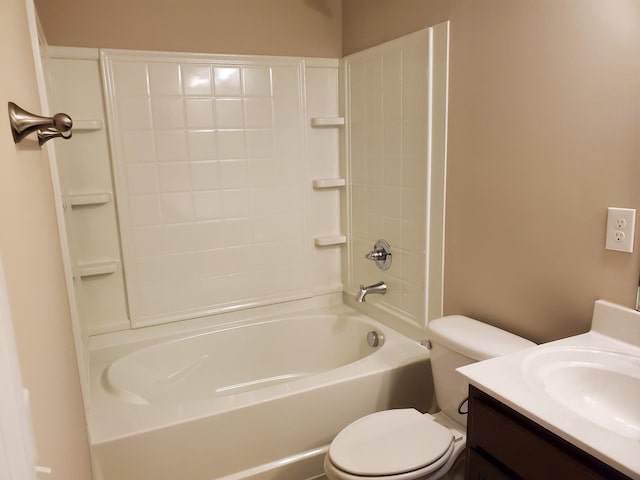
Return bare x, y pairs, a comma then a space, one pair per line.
93, 269
320, 122
330, 240
87, 125
93, 198
324, 183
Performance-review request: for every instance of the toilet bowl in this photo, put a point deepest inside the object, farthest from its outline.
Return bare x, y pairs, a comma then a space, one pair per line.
405, 444
401, 444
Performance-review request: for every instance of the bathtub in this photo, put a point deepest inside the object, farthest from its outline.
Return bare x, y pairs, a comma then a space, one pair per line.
258, 399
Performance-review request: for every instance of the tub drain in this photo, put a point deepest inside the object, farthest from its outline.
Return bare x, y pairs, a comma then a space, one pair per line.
373, 339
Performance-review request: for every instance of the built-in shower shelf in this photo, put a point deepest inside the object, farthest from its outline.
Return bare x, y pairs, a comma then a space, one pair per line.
94, 198
96, 268
319, 122
87, 125
323, 183
329, 240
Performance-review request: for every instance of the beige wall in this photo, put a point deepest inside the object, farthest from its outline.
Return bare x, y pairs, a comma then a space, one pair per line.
544, 135
310, 28
31, 253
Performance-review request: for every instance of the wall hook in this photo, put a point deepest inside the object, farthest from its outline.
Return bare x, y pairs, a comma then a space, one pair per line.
24, 123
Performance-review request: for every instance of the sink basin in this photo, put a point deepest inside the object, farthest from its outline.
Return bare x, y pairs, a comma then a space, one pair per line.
602, 386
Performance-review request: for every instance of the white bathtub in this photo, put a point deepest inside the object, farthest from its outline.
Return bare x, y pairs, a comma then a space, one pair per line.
254, 400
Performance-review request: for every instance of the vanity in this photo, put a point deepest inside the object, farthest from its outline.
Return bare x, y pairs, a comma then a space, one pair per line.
522, 449
568, 409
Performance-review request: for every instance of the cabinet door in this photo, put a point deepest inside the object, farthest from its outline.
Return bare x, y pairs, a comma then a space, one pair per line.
478, 468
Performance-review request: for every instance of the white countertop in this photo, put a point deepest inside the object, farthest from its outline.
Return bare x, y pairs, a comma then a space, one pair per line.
614, 328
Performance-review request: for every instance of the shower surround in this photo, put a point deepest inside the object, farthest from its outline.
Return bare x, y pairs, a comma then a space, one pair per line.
213, 160
246, 188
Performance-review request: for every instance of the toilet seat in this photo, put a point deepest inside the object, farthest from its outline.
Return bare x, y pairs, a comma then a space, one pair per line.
397, 444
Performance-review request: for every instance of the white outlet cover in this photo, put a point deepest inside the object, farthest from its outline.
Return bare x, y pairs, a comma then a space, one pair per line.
621, 226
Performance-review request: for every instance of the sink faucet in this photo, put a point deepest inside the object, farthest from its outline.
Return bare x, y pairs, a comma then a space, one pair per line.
379, 288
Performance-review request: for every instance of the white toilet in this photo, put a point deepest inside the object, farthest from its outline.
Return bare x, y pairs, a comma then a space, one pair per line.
405, 444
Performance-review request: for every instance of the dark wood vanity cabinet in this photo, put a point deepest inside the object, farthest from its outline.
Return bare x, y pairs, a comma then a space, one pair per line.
503, 444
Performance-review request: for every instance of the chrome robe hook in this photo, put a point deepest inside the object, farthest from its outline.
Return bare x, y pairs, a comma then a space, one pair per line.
24, 123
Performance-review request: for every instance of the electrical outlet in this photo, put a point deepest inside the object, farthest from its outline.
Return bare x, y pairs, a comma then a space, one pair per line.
621, 225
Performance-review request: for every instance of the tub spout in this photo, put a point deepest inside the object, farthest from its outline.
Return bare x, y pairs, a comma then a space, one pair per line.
379, 288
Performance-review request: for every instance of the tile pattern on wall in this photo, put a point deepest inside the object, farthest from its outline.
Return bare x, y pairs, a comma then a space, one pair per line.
210, 172
387, 113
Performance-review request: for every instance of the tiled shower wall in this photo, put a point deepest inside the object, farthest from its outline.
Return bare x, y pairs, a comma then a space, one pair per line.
210, 171
213, 160
394, 179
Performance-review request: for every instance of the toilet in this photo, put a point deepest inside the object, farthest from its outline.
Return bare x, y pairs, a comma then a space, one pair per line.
404, 444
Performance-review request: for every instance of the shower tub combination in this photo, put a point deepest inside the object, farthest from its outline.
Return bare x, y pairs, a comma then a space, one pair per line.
258, 399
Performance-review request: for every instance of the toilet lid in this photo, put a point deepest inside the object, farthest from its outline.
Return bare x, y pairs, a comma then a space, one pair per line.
390, 443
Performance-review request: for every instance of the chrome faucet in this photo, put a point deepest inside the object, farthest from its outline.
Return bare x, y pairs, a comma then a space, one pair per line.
379, 288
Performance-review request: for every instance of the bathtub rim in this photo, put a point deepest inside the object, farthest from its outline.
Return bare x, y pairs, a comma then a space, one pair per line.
335, 300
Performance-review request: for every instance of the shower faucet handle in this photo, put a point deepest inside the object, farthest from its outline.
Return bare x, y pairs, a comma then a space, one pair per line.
381, 254
376, 255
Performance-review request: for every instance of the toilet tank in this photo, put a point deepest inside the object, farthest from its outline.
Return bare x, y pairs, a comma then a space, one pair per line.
456, 341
